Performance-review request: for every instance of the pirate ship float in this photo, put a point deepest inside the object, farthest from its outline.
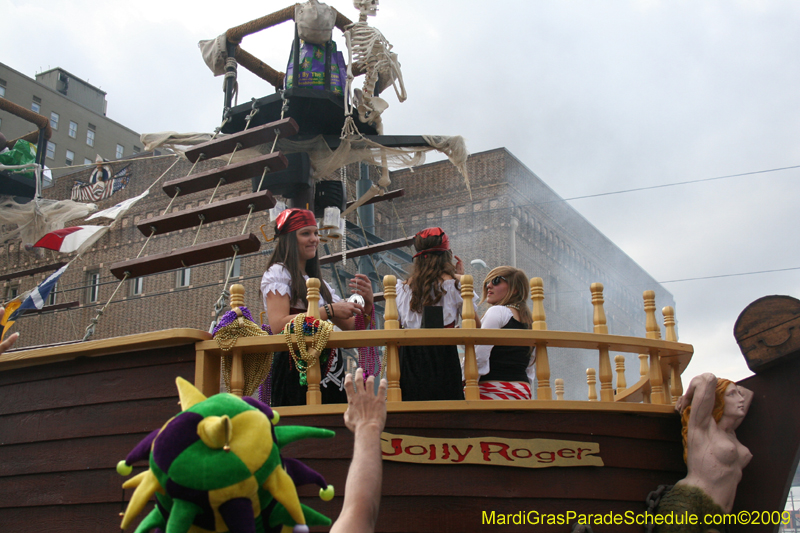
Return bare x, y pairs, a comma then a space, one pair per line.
71, 411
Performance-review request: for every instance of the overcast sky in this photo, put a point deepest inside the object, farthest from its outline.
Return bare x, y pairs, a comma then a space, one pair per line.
593, 97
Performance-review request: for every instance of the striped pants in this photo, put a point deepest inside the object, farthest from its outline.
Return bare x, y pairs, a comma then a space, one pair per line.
505, 390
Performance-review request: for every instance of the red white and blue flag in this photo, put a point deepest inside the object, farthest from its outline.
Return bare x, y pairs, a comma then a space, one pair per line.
71, 239
38, 296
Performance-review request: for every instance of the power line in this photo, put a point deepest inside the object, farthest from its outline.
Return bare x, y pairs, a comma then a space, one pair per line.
732, 275
680, 183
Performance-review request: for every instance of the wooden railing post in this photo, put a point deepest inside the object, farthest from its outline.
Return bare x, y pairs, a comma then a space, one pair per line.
390, 321
657, 394
600, 326
543, 391
237, 364
644, 370
591, 380
471, 391
622, 384
313, 373
676, 386
559, 389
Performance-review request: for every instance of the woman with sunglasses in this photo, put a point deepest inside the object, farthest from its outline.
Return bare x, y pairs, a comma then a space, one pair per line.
283, 289
506, 372
430, 372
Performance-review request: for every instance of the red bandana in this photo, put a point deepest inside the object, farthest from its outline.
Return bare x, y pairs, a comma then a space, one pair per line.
432, 232
293, 219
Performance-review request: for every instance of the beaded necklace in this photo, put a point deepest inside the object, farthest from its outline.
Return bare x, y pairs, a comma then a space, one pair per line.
512, 306
310, 327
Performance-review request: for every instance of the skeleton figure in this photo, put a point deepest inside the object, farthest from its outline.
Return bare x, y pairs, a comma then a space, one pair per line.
370, 52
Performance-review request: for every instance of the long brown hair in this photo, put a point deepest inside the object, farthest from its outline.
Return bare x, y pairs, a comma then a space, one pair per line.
427, 270
716, 413
517, 294
287, 253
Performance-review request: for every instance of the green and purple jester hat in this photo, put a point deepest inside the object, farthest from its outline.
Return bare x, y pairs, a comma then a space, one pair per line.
216, 467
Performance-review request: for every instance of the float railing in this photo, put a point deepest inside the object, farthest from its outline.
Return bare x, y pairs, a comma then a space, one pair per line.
661, 361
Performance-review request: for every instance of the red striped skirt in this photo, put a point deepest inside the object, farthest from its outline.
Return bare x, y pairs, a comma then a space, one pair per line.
505, 390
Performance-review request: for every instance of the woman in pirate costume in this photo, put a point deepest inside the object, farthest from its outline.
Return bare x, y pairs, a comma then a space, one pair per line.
283, 288
431, 297
506, 372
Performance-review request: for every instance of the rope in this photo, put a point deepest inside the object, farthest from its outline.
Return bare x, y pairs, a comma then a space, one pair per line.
152, 231
400, 220
220, 304
366, 242
90, 328
247, 221
230, 63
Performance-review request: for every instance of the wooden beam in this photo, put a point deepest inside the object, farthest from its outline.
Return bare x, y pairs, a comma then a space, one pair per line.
213, 212
186, 257
230, 173
32, 271
246, 139
367, 250
389, 195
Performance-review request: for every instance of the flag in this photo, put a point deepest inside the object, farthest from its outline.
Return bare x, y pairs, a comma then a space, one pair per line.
100, 190
119, 209
6, 321
70, 239
37, 296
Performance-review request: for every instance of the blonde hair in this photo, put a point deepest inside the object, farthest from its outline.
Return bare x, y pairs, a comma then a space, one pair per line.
716, 413
517, 294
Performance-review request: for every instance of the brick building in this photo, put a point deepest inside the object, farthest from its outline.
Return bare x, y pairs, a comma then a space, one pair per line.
77, 114
512, 218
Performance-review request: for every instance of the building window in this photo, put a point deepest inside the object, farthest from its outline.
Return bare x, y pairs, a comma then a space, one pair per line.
137, 286
136, 149
12, 292
51, 299
54, 120
184, 277
51, 150
35, 107
70, 157
92, 286
73, 129
87, 161
120, 150
2, 88
90, 137
237, 268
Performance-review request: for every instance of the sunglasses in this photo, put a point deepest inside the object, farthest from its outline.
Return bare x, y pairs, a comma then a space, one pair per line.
495, 281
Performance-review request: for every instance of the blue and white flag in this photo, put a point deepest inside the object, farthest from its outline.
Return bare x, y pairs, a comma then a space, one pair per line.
37, 297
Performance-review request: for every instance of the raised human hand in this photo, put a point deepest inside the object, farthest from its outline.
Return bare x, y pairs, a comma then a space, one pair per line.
365, 409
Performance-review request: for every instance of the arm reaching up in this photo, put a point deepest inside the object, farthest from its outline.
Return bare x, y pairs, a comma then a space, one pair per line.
365, 417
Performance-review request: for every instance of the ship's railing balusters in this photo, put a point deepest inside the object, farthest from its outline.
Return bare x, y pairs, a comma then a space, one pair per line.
391, 321
600, 326
657, 394
676, 386
471, 391
237, 365
313, 374
591, 380
644, 370
622, 384
559, 389
543, 391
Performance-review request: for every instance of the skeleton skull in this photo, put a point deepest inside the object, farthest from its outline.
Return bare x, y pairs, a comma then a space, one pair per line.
367, 7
